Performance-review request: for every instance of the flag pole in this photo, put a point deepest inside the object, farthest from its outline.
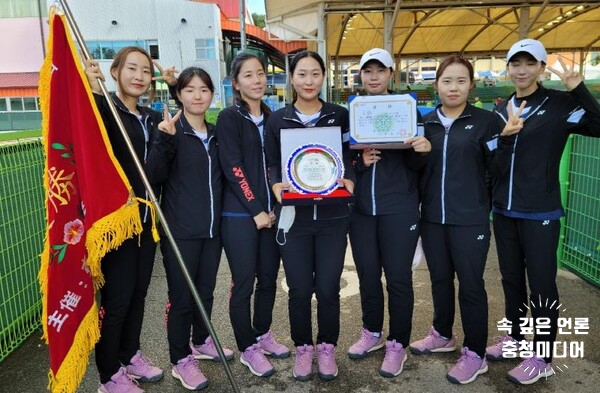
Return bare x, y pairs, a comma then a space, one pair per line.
153, 199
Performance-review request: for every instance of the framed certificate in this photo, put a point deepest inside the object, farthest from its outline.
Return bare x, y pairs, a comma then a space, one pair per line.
382, 121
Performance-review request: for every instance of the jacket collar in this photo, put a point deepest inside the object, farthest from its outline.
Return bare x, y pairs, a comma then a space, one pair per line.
467, 112
188, 129
121, 106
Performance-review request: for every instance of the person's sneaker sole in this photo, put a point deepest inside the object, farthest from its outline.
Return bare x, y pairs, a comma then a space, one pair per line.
146, 379
533, 380
302, 378
417, 351
176, 375
456, 381
494, 358
328, 377
387, 374
267, 373
216, 359
284, 355
363, 355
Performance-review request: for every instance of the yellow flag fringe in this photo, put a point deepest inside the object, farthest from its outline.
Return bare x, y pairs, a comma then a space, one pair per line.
75, 364
108, 233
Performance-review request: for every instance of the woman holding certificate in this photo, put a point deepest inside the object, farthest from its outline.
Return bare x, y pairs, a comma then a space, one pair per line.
455, 225
247, 219
384, 230
314, 246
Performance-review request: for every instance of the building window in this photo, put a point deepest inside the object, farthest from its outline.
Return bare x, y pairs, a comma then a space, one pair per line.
29, 104
20, 104
205, 49
16, 104
22, 8
106, 50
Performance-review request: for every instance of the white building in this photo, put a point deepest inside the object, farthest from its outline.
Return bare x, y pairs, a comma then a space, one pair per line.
179, 33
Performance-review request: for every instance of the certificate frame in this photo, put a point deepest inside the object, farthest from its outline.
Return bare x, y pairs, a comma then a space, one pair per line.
382, 121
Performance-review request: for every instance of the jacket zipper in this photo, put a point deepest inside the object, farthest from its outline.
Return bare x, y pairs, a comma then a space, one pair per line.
210, 187
512, 156
444, 159
264, 161
373, 204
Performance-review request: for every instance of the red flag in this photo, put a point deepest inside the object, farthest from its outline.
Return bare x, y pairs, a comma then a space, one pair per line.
90, 209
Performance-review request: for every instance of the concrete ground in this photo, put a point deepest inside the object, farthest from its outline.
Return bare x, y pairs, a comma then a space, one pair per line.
26, 369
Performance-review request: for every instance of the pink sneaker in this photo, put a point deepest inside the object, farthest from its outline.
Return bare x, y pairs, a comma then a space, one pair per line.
495, 351
303, 364
271, 347
367, 343
433, 343
395, 356
208, 351
187, 371
256, 361
467, 368
530, 371
120, 382
142, 369
328, 369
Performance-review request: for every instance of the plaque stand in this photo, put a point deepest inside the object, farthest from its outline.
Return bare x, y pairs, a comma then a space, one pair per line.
339, 196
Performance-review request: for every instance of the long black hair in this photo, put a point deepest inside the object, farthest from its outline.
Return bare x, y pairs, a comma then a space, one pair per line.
236, 68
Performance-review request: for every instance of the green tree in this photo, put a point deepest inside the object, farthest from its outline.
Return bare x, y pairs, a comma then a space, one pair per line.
259, 20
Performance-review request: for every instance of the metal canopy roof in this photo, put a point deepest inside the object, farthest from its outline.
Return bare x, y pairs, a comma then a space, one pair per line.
438, 27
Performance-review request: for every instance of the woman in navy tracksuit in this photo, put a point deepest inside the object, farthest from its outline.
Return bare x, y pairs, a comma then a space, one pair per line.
535, 124
455, 208
184, 160
313, 253
127, 270
247, 217
384, 229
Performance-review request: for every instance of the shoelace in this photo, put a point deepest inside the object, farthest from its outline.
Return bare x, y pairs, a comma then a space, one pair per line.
304, 355
533, 363
191, 364
143, 362
326, 356
391, 351
126, 379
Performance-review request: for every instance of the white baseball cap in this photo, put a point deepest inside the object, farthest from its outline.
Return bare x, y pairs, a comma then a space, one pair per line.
381, 55
533, 47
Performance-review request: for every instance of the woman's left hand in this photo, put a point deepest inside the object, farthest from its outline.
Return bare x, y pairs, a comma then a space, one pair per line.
348, 184
570, 78
419, 143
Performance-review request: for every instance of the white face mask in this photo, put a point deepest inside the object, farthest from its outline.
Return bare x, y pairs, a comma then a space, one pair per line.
286, 220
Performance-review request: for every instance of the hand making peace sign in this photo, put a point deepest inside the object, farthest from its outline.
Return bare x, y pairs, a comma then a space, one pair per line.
166, 75
515, 122
570, 78
168, 123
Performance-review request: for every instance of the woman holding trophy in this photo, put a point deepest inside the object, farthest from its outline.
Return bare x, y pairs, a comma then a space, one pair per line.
315, 239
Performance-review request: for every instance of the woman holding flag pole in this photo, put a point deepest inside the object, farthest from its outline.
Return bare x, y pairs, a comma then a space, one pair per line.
128, 269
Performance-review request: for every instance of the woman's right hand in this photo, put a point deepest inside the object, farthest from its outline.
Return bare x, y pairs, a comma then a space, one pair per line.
515, 122
93, 73
262, 220
168, 123
278, 189
370, 156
